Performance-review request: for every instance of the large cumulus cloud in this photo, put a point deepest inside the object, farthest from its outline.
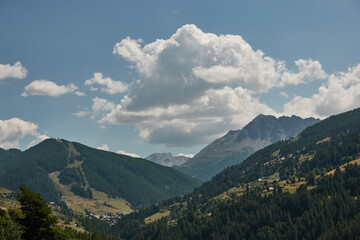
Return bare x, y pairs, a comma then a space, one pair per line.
180, 69
195, 86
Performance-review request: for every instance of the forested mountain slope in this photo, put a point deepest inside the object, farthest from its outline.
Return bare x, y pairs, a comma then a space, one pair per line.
7, 153
55, 167
319, 148
301, 188
237, 145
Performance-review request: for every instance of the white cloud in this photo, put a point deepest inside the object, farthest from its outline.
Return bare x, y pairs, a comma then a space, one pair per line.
38, 140
129, 49
180, 69
15, 129
14, 71
81, 114
309, 71
211, 115
284, 94
195, 86
110, 86
47, 88
340, 93
102, 105
104, 147
80, 94
128, 154
185, 155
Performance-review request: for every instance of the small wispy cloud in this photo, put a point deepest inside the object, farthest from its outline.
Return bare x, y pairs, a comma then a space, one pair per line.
127, 154
80, 94
47, 88
284, 94
81, 114
107, 84
185, 155
104, 147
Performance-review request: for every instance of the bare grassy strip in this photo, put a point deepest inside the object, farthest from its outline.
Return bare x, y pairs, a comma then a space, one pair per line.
65, 190
157, 216
72, 149
7, 203
327, 139
100, 204
75, 164
342, 167
97, 206
71, 225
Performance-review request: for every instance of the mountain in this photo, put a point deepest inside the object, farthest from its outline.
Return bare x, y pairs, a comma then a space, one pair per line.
3, 153
306, 187
63, 170
167, 159
7, 154
237, 145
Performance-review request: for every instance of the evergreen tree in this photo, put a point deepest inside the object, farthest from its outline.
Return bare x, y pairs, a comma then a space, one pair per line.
37, 221
8, 228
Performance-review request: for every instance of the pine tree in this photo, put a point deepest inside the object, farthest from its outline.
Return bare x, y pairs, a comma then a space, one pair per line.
8, 228
37, 220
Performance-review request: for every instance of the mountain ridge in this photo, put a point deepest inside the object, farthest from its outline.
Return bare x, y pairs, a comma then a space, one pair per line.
236, 145
167, 159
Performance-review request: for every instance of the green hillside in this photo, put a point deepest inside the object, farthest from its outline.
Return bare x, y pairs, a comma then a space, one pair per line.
301, 188
6, 154
317, 150
62, 170
139, 181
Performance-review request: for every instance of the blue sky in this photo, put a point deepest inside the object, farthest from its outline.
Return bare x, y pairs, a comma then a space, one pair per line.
170, 76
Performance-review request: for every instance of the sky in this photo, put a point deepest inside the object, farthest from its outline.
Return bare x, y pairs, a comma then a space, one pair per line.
138, 77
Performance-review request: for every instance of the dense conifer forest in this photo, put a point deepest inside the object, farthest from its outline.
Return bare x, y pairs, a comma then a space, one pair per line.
324, 206
330, 211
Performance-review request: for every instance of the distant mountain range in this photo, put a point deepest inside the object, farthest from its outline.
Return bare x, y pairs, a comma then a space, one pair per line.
63, 170
167, 159
237, 145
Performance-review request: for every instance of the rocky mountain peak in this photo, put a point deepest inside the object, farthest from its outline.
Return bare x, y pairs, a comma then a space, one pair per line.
237, 145
167, 159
